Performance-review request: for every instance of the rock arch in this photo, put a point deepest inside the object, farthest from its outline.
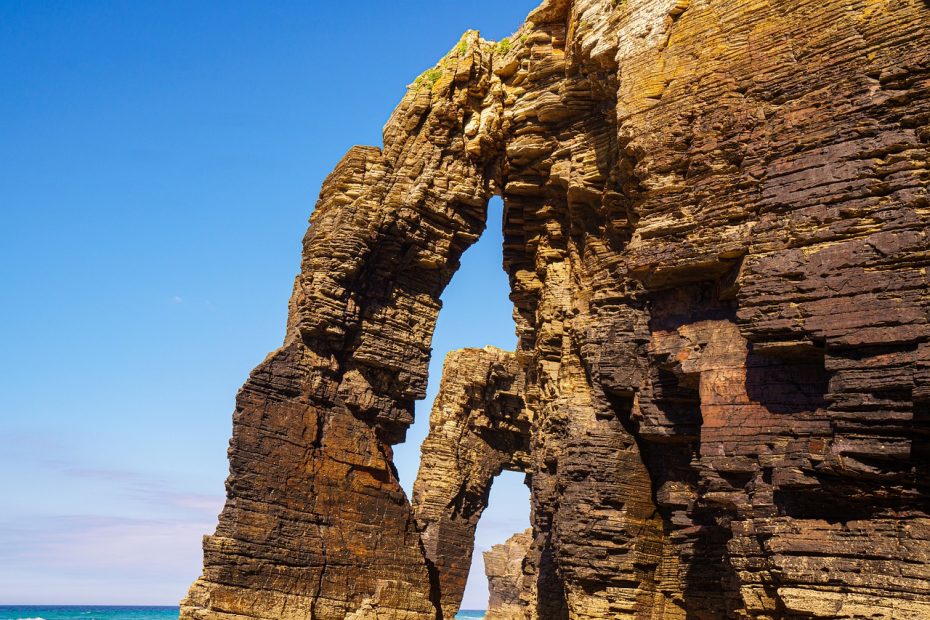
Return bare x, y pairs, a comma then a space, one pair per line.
479, 426
715, 223
316, 524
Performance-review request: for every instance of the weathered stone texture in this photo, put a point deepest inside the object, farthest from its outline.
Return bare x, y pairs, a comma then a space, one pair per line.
478, 428
715, 225
316, 524
512, 589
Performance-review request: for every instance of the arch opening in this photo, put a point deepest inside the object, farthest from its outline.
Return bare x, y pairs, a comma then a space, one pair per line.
471, 427
476, 312
501, 542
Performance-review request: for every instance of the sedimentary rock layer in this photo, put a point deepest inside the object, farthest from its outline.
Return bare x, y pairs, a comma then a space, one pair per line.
316, 524
715, 227
478, 428
512, 590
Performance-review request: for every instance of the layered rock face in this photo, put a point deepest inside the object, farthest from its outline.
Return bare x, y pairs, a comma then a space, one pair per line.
316, 524
716, 234
478, 428
512, 590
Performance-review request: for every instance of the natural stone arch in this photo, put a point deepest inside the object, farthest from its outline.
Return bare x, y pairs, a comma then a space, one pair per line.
479, 426
768, 161
316, 524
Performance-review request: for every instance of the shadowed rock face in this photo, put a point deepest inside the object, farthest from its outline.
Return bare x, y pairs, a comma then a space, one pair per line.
715, 226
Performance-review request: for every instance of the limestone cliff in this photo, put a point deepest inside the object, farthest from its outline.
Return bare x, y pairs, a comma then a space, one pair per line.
715, 225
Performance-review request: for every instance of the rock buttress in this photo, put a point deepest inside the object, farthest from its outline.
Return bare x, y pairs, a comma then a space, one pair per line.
478, 428
715, 228
316, 524
512, 589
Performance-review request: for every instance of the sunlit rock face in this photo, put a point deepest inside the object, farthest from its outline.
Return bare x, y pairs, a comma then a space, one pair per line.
511, 585
479, 426
715, 228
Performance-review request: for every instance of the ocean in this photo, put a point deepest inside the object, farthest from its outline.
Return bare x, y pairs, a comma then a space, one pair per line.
70, 612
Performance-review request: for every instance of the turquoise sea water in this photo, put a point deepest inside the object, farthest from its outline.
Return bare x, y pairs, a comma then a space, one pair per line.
57, 612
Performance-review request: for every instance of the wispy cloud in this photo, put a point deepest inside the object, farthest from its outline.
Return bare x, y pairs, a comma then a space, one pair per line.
148, 544
149, 489
51, 455
93, 542
65, 559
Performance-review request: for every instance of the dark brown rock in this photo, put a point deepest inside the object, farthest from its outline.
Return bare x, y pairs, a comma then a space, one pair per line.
316, 524
715, 229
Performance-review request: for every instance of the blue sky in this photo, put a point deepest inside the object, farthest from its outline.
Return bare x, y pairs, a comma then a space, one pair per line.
158, 163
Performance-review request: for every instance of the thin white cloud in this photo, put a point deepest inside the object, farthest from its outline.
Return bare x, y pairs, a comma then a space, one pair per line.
136, 561
143, 547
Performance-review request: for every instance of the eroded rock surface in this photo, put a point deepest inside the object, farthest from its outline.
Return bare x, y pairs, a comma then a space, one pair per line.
316, 524
512, 590
478, 428
715, 222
